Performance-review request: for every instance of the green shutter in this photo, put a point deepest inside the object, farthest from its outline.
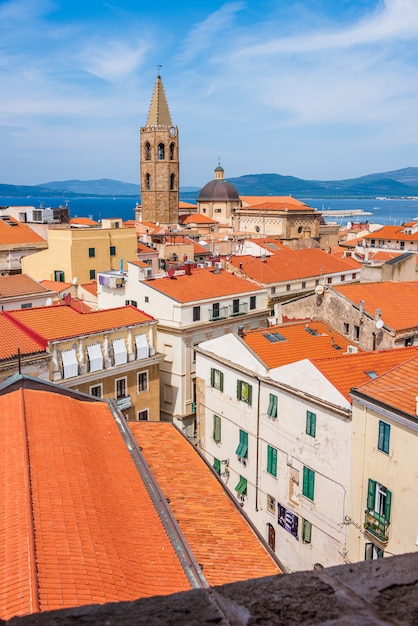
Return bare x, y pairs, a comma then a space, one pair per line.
212, 377
221, 381
238, 389
250, 394
241, 486
308, 486
306, 531
388, 501
217, 465
272, 408
384, 437
242, 449
371, 494
272, 460
311, 423
217, 428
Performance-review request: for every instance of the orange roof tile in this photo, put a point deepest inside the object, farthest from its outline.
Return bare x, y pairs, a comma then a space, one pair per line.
13, 340
392, 232
205, 515
90, 287
81, 528
275, 202
54, 285
141, 247
196, 218
202, 284
83, 221
298, 343
286, 264
397, 301
186, 205
350, 370
60, 322
397, 389
20, 285
13, 232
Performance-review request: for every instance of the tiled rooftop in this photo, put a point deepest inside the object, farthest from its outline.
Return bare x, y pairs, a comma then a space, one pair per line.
277, 203
196, 218
392, 232
20, 285
286, 264
83, 221
13, 232
90, 287
397, 389
58, 322
219, 536
55, 285
298, 343
353, 370
386, 296
202, 284
77, 524
13, 339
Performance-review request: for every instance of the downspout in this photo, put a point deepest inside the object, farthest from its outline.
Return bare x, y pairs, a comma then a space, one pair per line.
257, 460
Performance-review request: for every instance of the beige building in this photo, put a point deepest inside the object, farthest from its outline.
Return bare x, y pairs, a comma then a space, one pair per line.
79, 254
17, 240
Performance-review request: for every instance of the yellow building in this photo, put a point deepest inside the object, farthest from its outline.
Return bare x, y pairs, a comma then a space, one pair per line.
79, 254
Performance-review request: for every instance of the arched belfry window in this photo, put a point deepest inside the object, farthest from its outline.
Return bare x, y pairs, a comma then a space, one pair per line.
172, 149
148, 181
147, 151
172, 181
161, 151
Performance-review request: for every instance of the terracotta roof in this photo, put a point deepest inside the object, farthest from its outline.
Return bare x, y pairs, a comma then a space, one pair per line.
13, 232
287, 264
219, 536
277, 203
83, 221
397, 301
298, 343
78, 525
392, 232
55, 285
12, 339
186, 205
397, 389
196, 218
351, 370
19, 285
142, 248
383, 255
81, 306
202, 284
90, 287
59, 322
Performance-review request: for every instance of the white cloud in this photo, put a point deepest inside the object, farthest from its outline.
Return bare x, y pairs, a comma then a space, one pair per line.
113, 60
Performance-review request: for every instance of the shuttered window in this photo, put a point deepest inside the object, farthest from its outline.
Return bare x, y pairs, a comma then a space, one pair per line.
241, 487
308, 487
217, 465
119, 351
272, 460
95, 357
311, 423
242, 449
379, 499
69, 363
272, 408
142, 348
384, 437
216, 379
216, 428
244, 392
306, 531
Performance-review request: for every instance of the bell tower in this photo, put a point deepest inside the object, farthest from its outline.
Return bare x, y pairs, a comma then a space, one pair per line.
159, 162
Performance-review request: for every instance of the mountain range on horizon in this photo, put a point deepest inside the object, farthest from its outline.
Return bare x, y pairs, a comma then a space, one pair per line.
396, 184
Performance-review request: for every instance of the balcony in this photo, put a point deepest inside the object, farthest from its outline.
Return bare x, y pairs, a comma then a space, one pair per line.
218, 314
124, 403
235, 310
376, 525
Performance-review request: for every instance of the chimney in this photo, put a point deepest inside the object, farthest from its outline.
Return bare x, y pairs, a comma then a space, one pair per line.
187, 269
241, 332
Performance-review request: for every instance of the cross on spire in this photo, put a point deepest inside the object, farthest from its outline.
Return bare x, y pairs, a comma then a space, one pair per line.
159, 68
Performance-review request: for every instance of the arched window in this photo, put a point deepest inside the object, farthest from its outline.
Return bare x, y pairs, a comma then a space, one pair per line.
172, 181
147, 151
161, 151
271, 536
172, 148
148, 181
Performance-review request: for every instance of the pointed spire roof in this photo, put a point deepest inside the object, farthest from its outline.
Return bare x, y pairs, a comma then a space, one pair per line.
159, 114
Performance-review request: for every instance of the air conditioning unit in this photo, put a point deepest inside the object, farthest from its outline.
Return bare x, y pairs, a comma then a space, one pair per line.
352, 349
208, 263
218, 265
200, 266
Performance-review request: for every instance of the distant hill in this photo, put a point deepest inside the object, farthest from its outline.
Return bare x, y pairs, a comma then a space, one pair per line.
395, 184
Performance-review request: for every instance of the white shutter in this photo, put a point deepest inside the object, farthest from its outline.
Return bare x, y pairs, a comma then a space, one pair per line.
119, 351
95, 357
69, 363
142, 349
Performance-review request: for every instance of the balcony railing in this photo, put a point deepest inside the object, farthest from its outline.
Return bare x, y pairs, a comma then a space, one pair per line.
218, 314
241, 309
376, 525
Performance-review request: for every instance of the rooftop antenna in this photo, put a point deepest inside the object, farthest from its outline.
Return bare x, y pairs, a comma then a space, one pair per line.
159, 68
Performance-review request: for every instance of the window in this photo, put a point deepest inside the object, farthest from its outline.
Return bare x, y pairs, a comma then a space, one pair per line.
306, 531
241, 487
253, 303
409, 341
172, 151
59, 276
273, 291
146, 299
95, 355
218, 210
92, 252
217, 465
346, 328
143, 415
172, 181
216, 428
161, 151
196, 313
356, 333
303, 284
272, 407
216, 379
133, 302
384, 437
215, 309
244, 391
342, 278
235, 306
69, 363
272, 460
379, 500
329, 280
120, 354
120, 385
271, 504
354, 276
141, 345
92, 274
96, 391
142, 381
308, 487
27, 305
310, 424
372, 552
287, 287
112, 250
147, 151
242, 450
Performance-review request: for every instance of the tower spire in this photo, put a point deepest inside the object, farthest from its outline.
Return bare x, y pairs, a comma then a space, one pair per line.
159, 113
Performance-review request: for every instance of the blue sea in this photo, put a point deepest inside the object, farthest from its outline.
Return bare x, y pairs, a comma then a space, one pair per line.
382, 211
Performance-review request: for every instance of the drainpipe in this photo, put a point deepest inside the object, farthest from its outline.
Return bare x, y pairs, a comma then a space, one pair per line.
257, 459
374, 341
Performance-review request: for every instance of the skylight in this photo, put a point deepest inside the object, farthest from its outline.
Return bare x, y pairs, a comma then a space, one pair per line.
274, 337
371, 373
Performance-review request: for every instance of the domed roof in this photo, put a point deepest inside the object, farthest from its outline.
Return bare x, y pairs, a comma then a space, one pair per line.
218, 189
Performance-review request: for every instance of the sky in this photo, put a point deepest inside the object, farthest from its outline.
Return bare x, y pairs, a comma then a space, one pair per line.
317, 89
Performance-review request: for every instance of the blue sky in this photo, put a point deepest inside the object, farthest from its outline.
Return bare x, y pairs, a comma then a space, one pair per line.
318, 89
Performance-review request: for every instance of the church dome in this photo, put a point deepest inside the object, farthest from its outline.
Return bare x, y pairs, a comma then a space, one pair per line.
218, 189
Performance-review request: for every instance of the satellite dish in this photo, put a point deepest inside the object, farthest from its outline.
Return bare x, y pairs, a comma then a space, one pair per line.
319, 289
379, 324
48, 302
74, 280
171, 272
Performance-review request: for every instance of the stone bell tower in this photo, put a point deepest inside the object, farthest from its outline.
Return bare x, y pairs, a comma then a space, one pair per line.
159, 162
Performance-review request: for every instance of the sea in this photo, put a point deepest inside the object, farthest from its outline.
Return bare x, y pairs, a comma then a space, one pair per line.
378, 210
